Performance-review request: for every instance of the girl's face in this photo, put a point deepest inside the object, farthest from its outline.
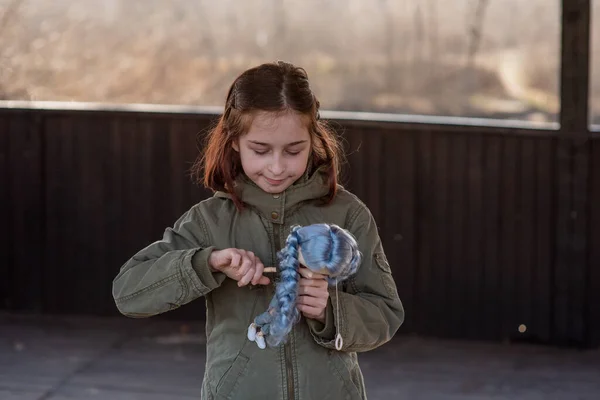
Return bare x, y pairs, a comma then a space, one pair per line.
275, 151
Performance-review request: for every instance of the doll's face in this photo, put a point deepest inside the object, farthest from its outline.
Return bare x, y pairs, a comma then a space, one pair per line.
322, 271
301, 259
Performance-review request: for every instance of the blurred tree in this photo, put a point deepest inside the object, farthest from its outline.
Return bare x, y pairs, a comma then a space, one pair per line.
8, 17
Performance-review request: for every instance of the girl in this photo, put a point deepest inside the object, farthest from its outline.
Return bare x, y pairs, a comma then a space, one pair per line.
273, 165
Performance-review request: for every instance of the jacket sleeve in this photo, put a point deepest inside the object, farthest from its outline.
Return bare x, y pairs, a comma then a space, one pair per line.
368, 312
168, 273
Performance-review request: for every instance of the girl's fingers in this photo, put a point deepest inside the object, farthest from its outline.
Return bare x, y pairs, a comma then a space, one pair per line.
259, 267
240, 265
311, 301
263, 281
235, 259
246, 271
244, 280
318, 283
313, 292
309, 274
309, 311
246, 266
305, 272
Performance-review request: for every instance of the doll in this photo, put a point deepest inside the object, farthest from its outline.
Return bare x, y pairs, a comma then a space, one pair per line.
323, 248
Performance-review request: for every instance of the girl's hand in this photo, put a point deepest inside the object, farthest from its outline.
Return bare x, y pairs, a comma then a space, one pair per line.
312, 294
240, 265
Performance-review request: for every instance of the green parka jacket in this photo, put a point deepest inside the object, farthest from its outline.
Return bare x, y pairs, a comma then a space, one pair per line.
174, 271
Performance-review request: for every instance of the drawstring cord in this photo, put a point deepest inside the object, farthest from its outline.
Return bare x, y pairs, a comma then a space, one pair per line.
339, 342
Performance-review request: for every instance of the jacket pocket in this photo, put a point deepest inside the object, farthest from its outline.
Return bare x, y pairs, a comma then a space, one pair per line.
383, 263
345, 373
205, 392
386, 278
232, 376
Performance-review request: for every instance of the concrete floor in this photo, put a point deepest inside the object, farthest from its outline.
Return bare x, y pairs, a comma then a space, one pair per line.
59, 358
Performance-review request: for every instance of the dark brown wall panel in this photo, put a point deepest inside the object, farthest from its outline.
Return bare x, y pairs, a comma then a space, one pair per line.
467, 216
593, 289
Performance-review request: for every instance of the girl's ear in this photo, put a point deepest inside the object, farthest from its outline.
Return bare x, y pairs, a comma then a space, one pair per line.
235, 145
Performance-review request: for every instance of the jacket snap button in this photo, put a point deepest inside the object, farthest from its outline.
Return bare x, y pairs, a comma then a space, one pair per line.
274, 215
275, 196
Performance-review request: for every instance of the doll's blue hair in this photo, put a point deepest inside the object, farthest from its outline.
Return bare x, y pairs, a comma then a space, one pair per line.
323, 246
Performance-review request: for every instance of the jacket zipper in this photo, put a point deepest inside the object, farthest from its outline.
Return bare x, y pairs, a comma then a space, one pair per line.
287, 349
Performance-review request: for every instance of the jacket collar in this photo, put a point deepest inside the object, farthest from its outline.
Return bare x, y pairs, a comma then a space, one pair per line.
273, 206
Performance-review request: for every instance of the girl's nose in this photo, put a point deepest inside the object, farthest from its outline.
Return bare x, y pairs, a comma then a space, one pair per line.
277, 166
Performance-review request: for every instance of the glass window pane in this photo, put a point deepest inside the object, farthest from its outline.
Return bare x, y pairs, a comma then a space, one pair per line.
484, 58
595, 66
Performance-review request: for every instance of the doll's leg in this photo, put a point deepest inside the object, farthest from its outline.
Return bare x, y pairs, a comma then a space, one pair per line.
260, 341
264, 318
267, 316
252, 332
258, 335
261, 325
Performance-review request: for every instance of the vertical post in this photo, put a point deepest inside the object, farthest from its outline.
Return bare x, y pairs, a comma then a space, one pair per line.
6, 266
572, 169
575, 71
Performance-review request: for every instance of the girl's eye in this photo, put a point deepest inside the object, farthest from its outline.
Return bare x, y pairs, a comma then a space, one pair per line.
263, 152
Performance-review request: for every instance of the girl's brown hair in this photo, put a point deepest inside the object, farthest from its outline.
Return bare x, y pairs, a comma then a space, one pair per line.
272, 87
